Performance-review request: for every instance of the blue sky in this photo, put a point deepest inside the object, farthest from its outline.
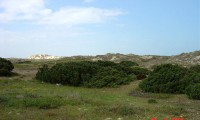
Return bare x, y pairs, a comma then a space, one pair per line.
91, 27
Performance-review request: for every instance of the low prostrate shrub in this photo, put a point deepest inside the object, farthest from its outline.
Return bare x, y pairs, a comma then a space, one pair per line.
128, 63
141, 73
189, 79
72, 73
5, 67
192, 82
164, 79
89, 74
195, 68
109, 77
193, 91
170, 78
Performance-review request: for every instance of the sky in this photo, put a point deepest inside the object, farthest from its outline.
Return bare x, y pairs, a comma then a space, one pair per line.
93, 27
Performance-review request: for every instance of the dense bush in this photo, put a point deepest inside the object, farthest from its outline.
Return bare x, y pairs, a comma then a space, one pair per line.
170, 78
165, 78
128, 63
5, 67
105, 63
193, 91
195, 68
124, 66
90, 74
73, 73
141, 73
109, 77
188, 79
192, 82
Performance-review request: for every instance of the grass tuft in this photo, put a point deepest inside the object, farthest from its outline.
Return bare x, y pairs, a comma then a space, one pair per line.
123, 110
152, 101
43, 102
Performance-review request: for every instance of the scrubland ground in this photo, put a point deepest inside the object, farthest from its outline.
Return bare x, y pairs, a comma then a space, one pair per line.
24, 98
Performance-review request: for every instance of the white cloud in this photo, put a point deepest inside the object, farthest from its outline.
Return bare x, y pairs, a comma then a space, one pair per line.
55, 30
36, 12
75, 16
22, 10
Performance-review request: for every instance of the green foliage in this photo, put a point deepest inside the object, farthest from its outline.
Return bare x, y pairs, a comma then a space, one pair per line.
89, 74
195, 68
193, 91
188, 79
170, 78
128, 63
4, 72
43, 73
105, 63
108, 77
165, 78
5, 67
141, 73
192, 78
191, 82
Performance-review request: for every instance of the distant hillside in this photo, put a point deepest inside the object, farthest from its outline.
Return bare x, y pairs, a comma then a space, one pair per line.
44, 56
186, 59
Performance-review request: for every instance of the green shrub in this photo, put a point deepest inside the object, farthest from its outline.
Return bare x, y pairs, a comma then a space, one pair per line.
124, 66
190, 78
128, 63
165, 78
170, 78
132, 77
109, 77
193, 91
43, 73
5, 67
195, 68
105, 63
141, 73
90, 74
4, 72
